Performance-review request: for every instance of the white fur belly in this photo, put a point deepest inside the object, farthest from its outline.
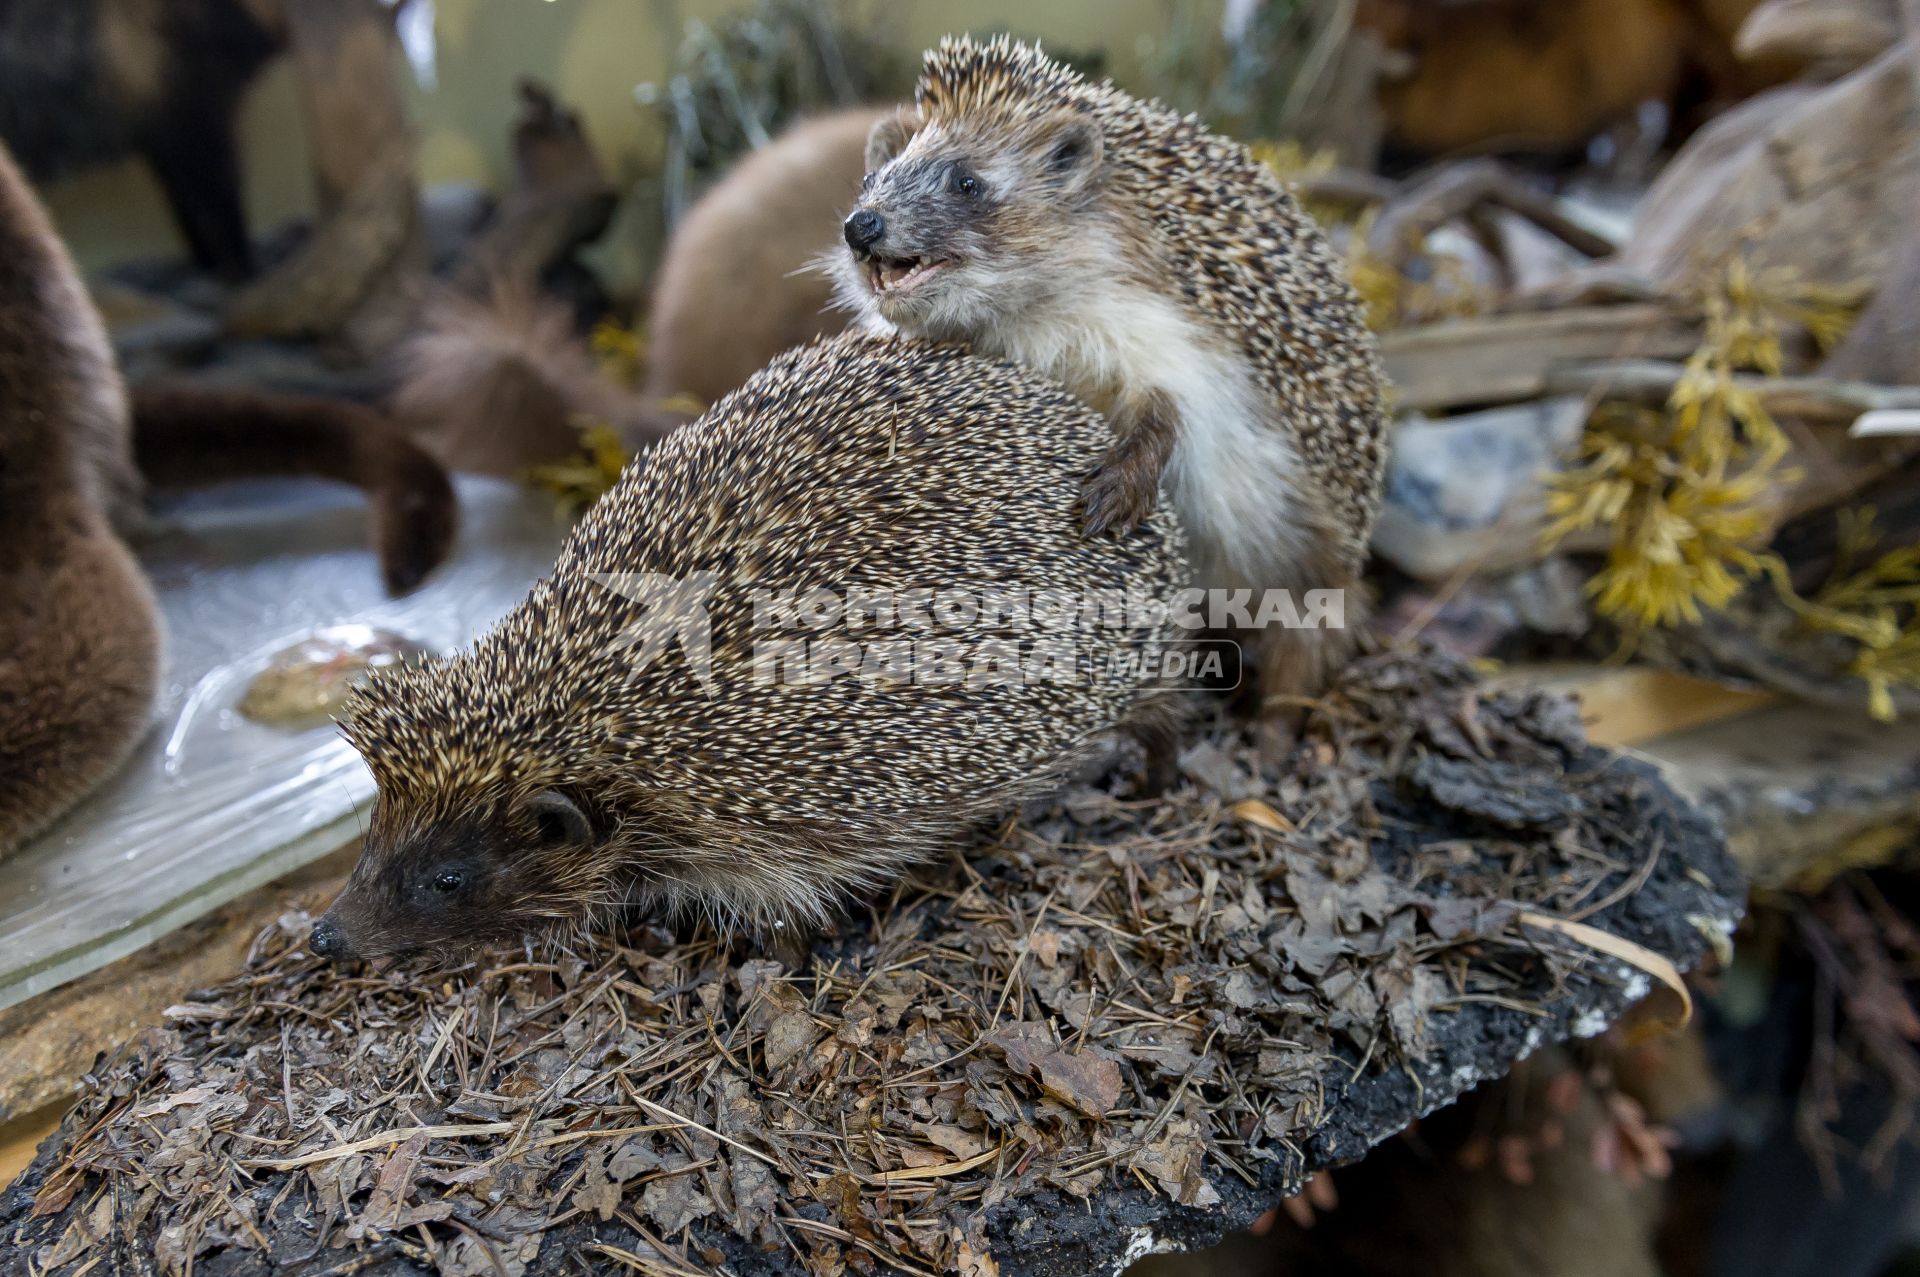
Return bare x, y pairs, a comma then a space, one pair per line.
1233, 475
1231, 479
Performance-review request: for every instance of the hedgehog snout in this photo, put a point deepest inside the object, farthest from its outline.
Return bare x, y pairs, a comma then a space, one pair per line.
864, 229
329, 941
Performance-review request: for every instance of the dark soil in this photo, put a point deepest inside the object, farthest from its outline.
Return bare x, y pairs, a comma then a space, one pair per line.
1117, 1026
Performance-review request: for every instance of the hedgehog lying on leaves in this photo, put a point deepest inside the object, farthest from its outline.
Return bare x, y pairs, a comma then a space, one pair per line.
1165, 276
634, 732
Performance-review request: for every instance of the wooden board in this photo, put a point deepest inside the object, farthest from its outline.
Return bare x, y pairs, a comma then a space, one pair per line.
1797, 786
1503, 358
19, 1139
1625, 706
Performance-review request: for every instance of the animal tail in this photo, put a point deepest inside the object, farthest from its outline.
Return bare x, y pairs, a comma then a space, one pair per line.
503, 383
187, 435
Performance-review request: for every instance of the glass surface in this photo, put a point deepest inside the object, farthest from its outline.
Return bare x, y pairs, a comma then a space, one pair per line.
212, 804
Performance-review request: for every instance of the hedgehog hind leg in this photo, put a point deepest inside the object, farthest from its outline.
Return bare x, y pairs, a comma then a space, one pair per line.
1288, 671
1157, 728
1139, 757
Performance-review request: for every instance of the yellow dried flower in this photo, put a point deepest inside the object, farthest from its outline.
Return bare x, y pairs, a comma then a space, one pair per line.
1292, 162
1684, 493
622, 351
1874, 604
578, 482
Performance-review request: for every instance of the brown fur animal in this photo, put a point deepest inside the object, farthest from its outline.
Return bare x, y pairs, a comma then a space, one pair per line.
84, 82
79, 635
610, 743
80, 638
501, 384
1165, 276
736, 286
1546, 76
186, 435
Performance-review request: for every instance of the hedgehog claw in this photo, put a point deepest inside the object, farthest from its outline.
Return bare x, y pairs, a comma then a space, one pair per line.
1113, 503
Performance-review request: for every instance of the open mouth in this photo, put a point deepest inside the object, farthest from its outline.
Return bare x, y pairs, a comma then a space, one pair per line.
900, 275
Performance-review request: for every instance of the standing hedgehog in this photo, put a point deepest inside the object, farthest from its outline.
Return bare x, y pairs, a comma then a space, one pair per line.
1166, 277
576, 759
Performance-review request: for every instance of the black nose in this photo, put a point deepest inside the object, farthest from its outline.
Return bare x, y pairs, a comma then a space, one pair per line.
326, 940
864, 229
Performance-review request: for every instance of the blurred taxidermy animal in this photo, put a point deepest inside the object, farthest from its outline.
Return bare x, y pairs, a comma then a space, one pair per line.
498, 380
503, 381
735, 288
86, 82
80, 638
1547, 76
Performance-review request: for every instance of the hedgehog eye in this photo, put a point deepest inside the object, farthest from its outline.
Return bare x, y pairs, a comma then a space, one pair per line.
961, 182
448, 881
866, 182
558, 821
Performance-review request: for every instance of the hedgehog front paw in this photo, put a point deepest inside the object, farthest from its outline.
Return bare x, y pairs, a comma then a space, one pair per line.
1117, 499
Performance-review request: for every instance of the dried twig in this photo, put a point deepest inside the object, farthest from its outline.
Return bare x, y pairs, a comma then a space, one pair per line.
1166, 995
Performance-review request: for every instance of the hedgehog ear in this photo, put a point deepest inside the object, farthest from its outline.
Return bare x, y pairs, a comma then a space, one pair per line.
889, 136
558, 821
1071, 149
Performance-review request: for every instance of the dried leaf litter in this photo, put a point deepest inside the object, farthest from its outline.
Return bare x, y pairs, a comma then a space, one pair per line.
1109, 1011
